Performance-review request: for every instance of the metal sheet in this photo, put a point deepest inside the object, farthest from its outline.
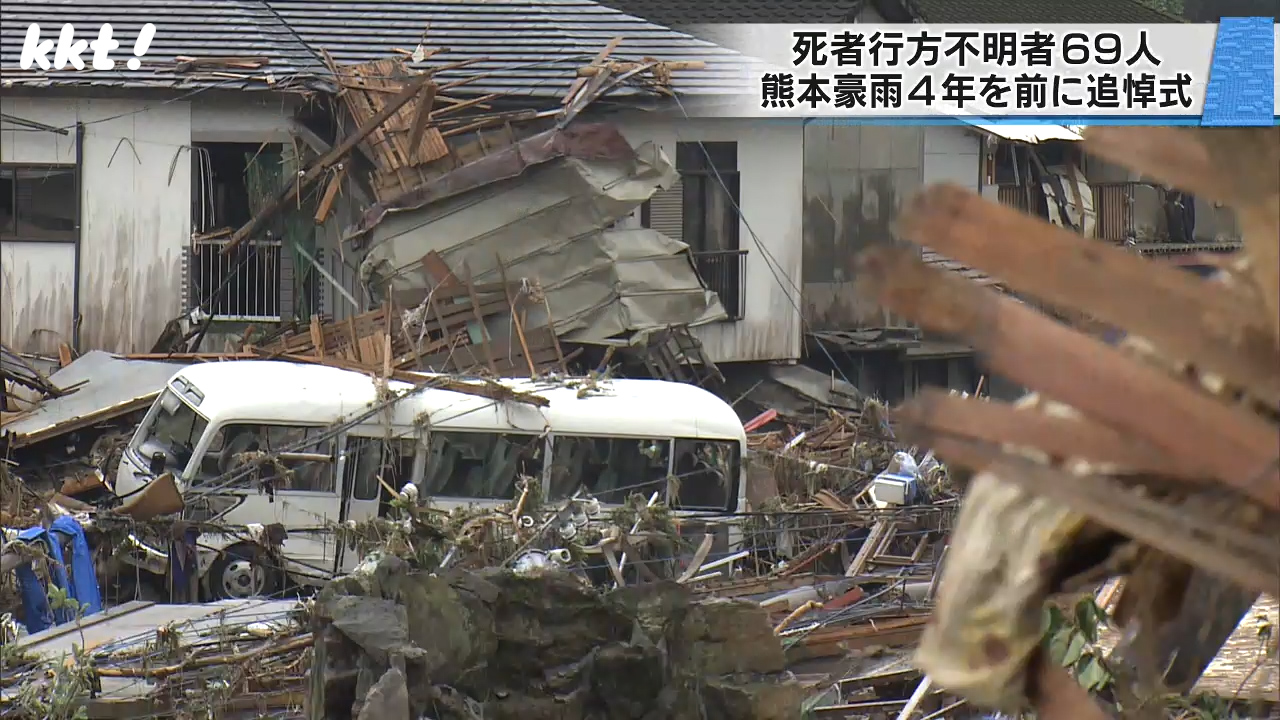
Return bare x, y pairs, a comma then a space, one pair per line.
549, 225
1032, 134
112, 383
135, 623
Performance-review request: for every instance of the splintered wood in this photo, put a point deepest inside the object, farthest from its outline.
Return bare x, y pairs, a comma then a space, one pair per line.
1167, 440
392, 145
451, 330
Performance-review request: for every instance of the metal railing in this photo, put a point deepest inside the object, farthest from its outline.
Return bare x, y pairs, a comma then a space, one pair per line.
243, 285
724, 272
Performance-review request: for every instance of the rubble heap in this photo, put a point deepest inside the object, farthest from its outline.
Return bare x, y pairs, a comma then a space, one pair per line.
395, 642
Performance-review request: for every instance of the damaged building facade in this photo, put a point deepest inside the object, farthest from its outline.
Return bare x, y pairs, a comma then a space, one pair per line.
125, 190
855, 177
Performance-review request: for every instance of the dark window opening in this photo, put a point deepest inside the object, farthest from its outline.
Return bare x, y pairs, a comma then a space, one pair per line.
375, 464
930, 373
229, 182
38, 203
480, 465
707, 473
609, 469
710, 223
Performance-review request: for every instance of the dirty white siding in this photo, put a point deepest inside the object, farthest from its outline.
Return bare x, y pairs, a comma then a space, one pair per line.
855, 179
770, 167
952, 154
135, 215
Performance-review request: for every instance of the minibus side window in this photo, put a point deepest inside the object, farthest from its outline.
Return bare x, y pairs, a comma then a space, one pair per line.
307, 464
707, 474
610, 469
371, 458
480, 465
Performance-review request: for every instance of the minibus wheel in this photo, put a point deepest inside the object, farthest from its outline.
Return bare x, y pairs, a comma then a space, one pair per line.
240, 572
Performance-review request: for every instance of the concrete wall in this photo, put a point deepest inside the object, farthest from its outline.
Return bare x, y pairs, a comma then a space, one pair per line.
135, 215
770, 158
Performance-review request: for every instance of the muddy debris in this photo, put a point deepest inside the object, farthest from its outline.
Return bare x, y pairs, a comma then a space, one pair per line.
396, 642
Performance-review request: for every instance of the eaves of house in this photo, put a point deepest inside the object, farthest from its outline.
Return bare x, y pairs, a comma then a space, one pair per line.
516, 47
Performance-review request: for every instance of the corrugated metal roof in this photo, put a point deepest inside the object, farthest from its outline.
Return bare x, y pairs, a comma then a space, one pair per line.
524, 47
532, 47
1032, 134
935, 259
199, 28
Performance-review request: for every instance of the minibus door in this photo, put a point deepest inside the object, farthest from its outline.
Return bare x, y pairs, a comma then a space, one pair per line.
361, 491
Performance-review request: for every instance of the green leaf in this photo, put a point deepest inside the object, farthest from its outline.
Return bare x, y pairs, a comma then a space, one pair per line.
1092, 674
1075, 648
1053, 619
1088, 617
1060, 644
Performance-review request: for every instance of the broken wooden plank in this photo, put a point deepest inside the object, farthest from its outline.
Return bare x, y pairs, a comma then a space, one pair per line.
330, 194
318, 168
426, 99
578, 82
515, 316
475, 307
1058, 437
1239, 167
1220, 441
1208, 325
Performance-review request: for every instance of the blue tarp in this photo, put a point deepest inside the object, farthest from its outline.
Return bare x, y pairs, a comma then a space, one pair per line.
81, 585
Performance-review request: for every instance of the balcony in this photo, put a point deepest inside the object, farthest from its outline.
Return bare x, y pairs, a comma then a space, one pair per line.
724, 272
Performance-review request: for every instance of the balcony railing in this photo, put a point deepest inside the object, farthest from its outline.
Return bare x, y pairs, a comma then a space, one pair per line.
724, 272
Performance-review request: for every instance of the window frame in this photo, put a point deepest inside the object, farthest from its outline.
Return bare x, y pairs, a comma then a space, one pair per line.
73, 236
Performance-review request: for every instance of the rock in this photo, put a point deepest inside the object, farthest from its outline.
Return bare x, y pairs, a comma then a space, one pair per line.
499, 646
388, 699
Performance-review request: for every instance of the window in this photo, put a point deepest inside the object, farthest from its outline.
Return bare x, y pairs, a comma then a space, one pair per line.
710, 195
254, 282
371, 458
702, 210
173, 430
709, 183
707, 475
610, 469
480, 465
304, 460
38, 203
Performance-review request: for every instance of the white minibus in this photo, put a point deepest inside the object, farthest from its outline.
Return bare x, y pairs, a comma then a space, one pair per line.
342, 447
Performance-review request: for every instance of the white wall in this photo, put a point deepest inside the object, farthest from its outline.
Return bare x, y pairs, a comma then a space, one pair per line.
770, 166
952, 154
135, 215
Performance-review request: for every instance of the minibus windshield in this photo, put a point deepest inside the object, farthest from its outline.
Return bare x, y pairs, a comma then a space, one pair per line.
173, 428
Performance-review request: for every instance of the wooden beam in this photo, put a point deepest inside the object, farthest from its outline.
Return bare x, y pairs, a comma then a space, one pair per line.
313, 173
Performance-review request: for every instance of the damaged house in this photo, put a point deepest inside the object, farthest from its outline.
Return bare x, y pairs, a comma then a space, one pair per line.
275, 162
253, 176
855, 177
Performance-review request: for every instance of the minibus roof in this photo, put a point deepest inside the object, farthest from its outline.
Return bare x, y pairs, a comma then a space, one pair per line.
303, 393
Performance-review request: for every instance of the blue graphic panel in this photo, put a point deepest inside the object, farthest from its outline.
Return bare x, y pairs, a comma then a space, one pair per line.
1241, 90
